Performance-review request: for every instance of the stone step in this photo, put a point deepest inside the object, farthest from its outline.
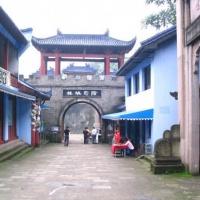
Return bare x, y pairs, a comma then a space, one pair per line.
145, 162
10, 145
13, 149
167, 169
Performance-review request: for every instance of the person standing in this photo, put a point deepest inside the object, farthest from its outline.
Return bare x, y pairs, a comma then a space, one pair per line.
117, 135
94, 135
86, 133
66, 131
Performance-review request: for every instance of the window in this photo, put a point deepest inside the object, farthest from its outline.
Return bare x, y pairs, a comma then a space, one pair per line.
136, 83
129, 87
147, 77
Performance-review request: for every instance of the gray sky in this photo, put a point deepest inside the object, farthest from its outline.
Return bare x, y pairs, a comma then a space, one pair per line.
121, 17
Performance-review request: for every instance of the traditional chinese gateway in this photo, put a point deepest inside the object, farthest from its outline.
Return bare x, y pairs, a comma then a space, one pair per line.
75, 84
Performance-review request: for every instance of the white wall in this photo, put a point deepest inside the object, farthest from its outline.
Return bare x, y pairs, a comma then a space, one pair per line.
144, 99
165, 81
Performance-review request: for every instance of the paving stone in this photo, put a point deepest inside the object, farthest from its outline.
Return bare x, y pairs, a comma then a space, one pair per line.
88, 172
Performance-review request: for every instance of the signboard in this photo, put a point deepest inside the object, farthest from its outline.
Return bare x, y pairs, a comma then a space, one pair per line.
55, 128
4, 77
82, 93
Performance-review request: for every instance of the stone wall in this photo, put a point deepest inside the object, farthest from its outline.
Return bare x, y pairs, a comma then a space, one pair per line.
112, 93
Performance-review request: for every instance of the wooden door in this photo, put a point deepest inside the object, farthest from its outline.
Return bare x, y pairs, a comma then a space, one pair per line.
12, 118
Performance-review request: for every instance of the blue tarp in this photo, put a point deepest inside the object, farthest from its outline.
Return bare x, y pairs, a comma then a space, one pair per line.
127, 115
44, 106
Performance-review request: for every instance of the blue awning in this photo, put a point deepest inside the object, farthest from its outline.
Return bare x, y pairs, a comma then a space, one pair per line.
127, 115
44, 106
114, 116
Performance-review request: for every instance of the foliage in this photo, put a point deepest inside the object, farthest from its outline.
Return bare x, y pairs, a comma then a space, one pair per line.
164, 17
99, 66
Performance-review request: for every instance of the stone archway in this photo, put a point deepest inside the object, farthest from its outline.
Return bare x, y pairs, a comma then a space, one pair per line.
78, 101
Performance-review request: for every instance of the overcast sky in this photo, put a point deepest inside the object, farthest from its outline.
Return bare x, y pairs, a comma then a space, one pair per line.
121, 17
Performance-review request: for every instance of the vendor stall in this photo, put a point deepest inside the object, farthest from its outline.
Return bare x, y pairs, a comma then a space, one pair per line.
116, 148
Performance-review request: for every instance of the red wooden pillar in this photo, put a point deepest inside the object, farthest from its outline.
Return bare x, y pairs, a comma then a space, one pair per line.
43, 65
32, 138
121, 61
37, 138
107, 65
57, 65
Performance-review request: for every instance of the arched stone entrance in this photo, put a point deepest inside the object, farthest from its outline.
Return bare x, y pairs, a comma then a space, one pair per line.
111, 93
95, 106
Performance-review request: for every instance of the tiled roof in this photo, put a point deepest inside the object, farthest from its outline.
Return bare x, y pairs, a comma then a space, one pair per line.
50, 72
79, 70
83, 40
44, 95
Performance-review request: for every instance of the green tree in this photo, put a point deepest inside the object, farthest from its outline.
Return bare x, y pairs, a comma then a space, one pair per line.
166, 16
100, 66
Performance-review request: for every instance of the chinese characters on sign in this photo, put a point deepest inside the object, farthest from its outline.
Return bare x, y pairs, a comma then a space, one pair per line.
2, 77
81, 93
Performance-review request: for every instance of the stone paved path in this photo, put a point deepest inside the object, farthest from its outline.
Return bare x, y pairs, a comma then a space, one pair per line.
88, 172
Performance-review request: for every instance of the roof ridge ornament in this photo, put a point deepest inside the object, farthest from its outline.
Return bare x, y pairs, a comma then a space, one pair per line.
59, 32
107, 33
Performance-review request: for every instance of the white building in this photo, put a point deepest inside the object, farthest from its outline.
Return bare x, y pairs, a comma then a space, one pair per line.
150, 77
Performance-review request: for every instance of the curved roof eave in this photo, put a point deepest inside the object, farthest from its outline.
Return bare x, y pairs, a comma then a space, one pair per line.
38, 93
82, 41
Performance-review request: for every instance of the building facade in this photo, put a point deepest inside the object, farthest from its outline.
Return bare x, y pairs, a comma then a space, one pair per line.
188, 44
150, 78
18, 100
